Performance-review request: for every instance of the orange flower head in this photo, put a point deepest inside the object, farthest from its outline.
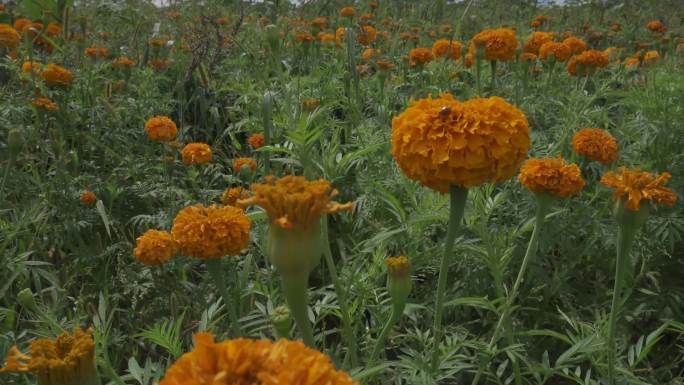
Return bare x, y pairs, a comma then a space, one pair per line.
632, 62
31, 67
536, 40
256, 141
56, 76
587, 63
240, 163
576, 44
325, 37
528, 57
497, 44
385, 65
596, 144
447, 49
161, 129
88, 198
310, 105
418, 57
366, 17
123, 63
20, 24
398, 265
321, 22
542, 18
155, 247
231, 195
9, 37
253, 362
293, 201
442, 142
305, 37
367, 35
347, 12
635, 185
368, 53
656, 26
45, 104
651, 58
196, 153
551, 176
559, 51
211, 232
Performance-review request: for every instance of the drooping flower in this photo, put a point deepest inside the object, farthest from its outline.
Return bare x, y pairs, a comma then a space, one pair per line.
56, 76
635, 186
155, 247
88, 198
211, 232
45, 104
577, 45
596, 144
441, 142
536, 40
256, 141
559, 51
419, 57
447, 49
253, 362
240, 163
366, 35
497, 44
587, 63
196, 153
551, 176
9, 37
161, 129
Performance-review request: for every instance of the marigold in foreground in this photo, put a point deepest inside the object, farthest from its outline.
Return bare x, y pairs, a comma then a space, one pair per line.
294, 201
56, 76
256, 141
441, 142
161, 129
9, 37
576, 44
253, 362
155, 247
211, 232
552, 176
196, 153
498, 44
68, 359
596, 144
635, 185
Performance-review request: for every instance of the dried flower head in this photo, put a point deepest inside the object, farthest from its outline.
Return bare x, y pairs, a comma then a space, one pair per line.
552, 176
310, 105
596, 144
161, 129
155, 247
635, 185
196, 153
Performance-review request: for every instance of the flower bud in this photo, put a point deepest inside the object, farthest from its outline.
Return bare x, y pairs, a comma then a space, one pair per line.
15, 141
399, 280
26, 300
282, 322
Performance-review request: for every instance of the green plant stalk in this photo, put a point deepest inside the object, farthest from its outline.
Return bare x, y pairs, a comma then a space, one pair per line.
214, 266
457, 202
347, 324
493, 66
380, 343
268, 129
478, 76
295, 289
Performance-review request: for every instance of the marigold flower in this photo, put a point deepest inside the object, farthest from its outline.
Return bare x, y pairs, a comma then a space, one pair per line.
155, 247
340, 35
45, 104
632, 62
587, 63
656, 26
347, 12
528, 57
310, 105
419, 57
551, 176
293, 201
65, 360
256, 141
320, 22
367, 35
596, 144
535, 24
324, 37
635, 185
96, 51
441, 142
56, 76
651, 58
576, 45
239, 163
160, 64
20, 24
88, 198
536, 40
373, 5
9, 37
196, 153
385, 65
123, 62
31, 67
366, 17
497, 44
559, 51
398, 265
368, 53
211, 232
304, 37
405, 36
253, 362
231, 195
161, 129
541, 18
446, 48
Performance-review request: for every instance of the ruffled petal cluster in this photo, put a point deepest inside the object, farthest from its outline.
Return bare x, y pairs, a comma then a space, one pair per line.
536, 40
239, 163
559, 51
161, 129
447, 49
230, 196
552, 176
587, 63
419, 57
45, 104
56, 76
155, 247
196, 153
9, 37
596, 144
497, 44
635, 185
256, 141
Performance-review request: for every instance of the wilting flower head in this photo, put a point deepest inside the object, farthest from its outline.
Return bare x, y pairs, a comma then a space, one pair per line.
447, 49
196, 153
366, 35
123, 63
635, 185
239, 163
45, 104
576, 45
256, 141
56, 76
419, 57
596, 144
68, 359
161, 129
347, 12
551, 176
211, 232
559, 51
587, 63
155, 247
253, 362
497, 44
88, 198
441, 142
9, 37
231, 195
536, 40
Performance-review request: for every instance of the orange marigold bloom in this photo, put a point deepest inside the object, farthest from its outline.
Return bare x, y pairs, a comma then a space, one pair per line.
88, 198
256, 141
561, 52
526, 56
253, 362
161, 129
293, 201
367, 35
385, 65
56, 76
320, 22
326, 37
211, 232
536, 40
53, 29
447, 48
398, 265
405, 36
656, 26
96, 51
310, 105
498, 44
419, 57
9, 37
67, 359
368, 53
576, 45
366, 17
196, 153
373, 5
651, 58
535, 24
239, 163
441, 142
230, 196
632, 62
123, 62
347, 12
304, 37
587, 63
31, 67
552, 176
596, 144
542, 18
635, 185
21, 24
45, 104
155, 247
340, 35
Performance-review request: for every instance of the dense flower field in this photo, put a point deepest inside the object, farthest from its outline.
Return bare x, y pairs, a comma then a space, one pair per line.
339, 192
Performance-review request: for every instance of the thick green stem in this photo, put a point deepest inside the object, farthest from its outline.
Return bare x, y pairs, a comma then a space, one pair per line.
268, 128
458, 197
215, 268
380, 343
295, 289
493, 66
478, 76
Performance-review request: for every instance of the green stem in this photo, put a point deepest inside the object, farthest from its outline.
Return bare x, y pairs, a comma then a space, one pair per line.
268, 129
295, 289
458, 197
380, 343
493, 65
478, 73
214, 266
